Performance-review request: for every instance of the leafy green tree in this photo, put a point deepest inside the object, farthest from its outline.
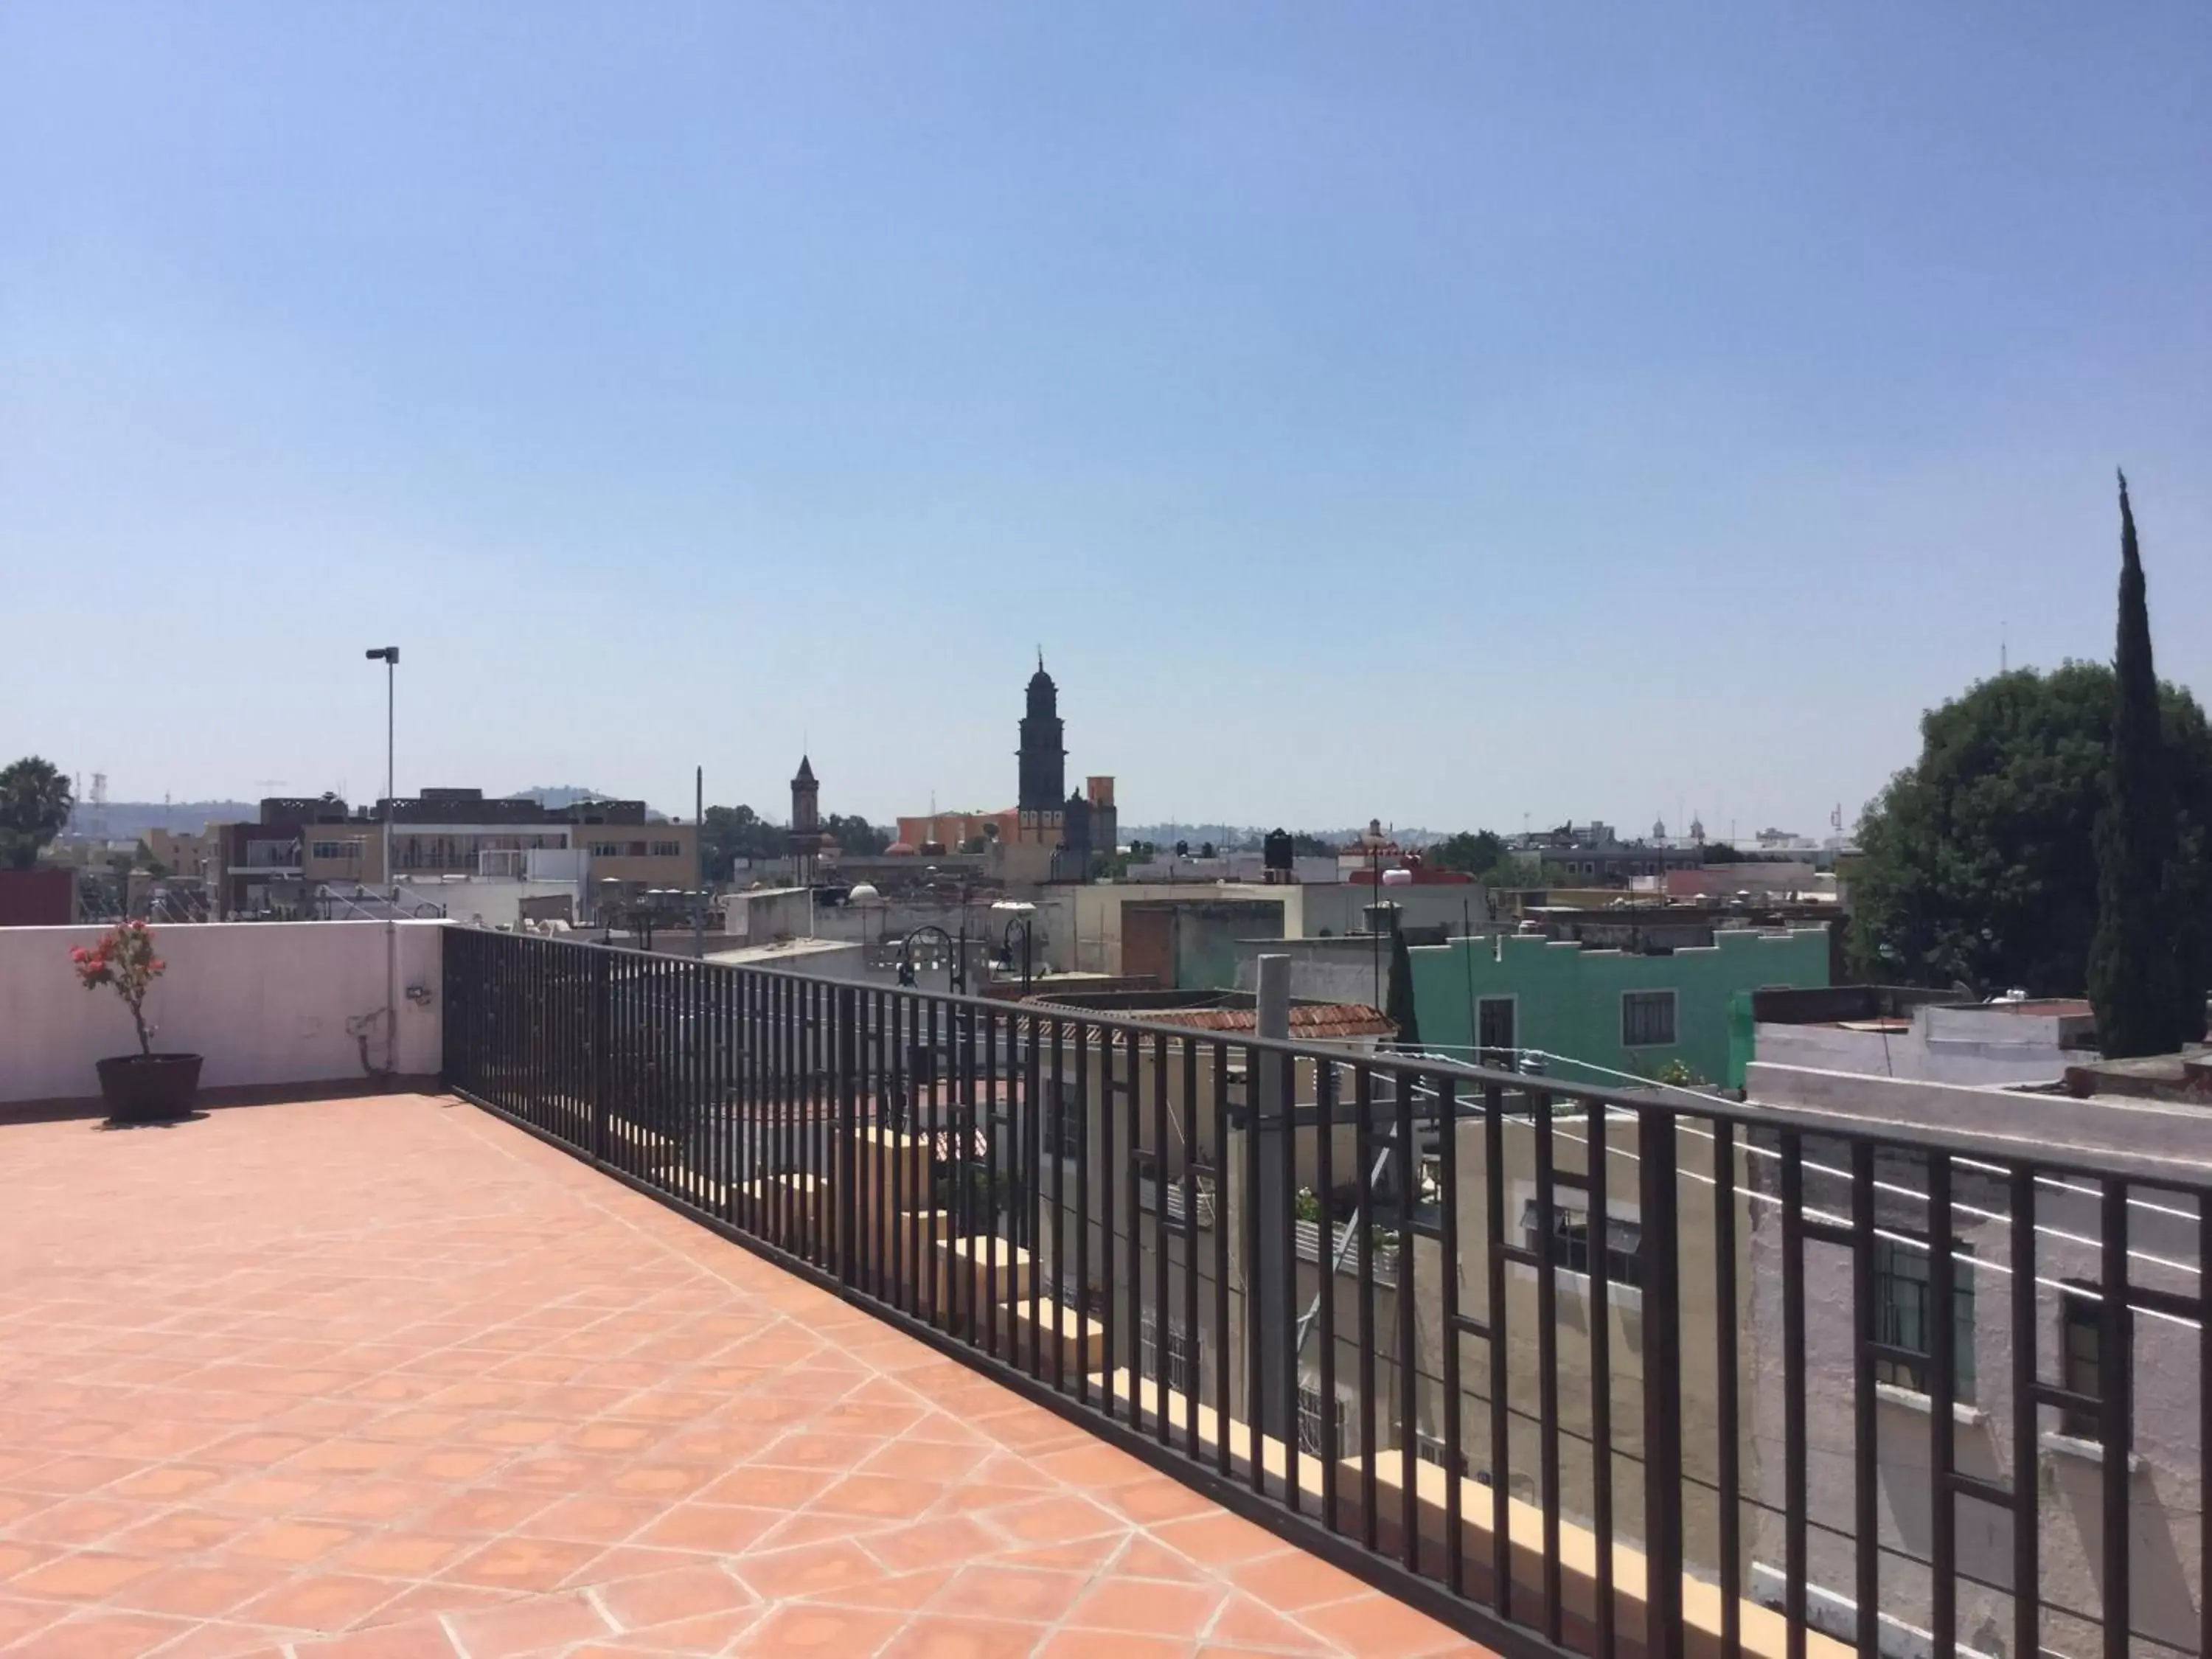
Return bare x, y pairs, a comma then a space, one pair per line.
1977, 863
1400, 997
34, 805
855, 836
1305, 844
1518, 870
2134, 977
1477, 853
730, 833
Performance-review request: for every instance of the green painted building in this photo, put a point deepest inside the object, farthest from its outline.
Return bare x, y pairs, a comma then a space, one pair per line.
1611, 1010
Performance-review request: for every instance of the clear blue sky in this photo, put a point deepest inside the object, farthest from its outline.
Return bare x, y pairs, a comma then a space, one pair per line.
1443, 412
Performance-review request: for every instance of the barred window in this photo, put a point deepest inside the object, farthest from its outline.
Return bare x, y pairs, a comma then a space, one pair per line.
1570, 1244
1647, 1019
1339, 1442
1905, 1311
1181, 1372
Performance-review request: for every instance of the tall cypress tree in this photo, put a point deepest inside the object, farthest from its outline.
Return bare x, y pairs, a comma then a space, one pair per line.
2133, 982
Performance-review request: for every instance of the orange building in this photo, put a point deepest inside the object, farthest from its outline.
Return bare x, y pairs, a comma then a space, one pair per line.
953, 830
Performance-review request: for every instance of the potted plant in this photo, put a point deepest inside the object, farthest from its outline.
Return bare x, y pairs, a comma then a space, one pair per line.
144, 1087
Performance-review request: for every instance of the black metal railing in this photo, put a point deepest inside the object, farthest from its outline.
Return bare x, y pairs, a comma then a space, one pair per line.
1639, 1371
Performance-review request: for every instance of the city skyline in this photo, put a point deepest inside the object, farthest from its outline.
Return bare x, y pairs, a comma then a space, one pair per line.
1462, 416
86, 813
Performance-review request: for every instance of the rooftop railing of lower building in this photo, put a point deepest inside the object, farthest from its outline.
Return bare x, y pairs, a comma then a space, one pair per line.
1614, 1372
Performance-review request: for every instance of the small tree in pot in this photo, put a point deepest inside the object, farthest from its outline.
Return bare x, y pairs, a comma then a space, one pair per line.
144, 1087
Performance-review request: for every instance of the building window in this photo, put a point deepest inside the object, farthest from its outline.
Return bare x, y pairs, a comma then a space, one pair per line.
1310, 1420
2081, 1356
637, 849
1903, 1305
606, 849
1570, 1245
1063, 1124
1647, 1019
1181, 1373
668, 849
1429, 1448
337, 849
1494, 1031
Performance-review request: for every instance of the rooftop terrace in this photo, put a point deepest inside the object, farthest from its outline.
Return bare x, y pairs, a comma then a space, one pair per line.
721, 1311
388, 1378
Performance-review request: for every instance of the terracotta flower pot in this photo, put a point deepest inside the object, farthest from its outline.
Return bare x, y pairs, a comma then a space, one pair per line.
149, 1088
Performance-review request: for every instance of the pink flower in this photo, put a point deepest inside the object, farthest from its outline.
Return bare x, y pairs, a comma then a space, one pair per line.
156, 966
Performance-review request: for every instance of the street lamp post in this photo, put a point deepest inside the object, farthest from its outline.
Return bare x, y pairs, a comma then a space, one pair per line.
1021, 926
389, 656
958, 952
1021, 917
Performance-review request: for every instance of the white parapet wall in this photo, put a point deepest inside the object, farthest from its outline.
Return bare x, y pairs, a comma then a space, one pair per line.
267, 1004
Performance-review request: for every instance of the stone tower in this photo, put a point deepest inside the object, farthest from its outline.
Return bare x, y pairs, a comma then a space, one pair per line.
805, 822
1044, 757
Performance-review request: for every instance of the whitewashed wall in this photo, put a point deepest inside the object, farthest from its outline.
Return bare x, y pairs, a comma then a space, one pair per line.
265, 1003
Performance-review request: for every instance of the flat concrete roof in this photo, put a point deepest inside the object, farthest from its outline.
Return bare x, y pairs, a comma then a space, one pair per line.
782, 949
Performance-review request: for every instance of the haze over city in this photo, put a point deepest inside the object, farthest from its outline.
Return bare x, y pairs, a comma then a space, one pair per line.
1456, 414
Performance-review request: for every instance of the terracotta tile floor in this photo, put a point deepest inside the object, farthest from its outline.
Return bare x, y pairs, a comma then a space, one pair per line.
387, 1379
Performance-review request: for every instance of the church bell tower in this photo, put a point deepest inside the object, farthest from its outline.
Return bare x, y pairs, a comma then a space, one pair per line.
1043, 754
805, 822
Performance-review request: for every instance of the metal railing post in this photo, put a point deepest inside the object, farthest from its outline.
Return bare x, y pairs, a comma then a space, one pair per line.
1663, 1387
846, 1162
742, 1096
602, 1028
1269, 1275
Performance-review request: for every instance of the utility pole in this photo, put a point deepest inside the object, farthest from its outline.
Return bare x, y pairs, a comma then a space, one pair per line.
698, 863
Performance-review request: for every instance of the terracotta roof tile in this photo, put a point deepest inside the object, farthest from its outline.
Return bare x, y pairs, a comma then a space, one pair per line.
1309, 1020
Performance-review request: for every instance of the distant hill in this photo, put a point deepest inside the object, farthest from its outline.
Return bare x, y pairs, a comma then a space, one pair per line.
125, 818
553, 796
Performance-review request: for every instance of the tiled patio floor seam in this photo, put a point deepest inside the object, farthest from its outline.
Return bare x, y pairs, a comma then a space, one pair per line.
469, 1398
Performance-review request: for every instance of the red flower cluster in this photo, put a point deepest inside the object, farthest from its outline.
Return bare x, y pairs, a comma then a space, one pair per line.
124, 958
